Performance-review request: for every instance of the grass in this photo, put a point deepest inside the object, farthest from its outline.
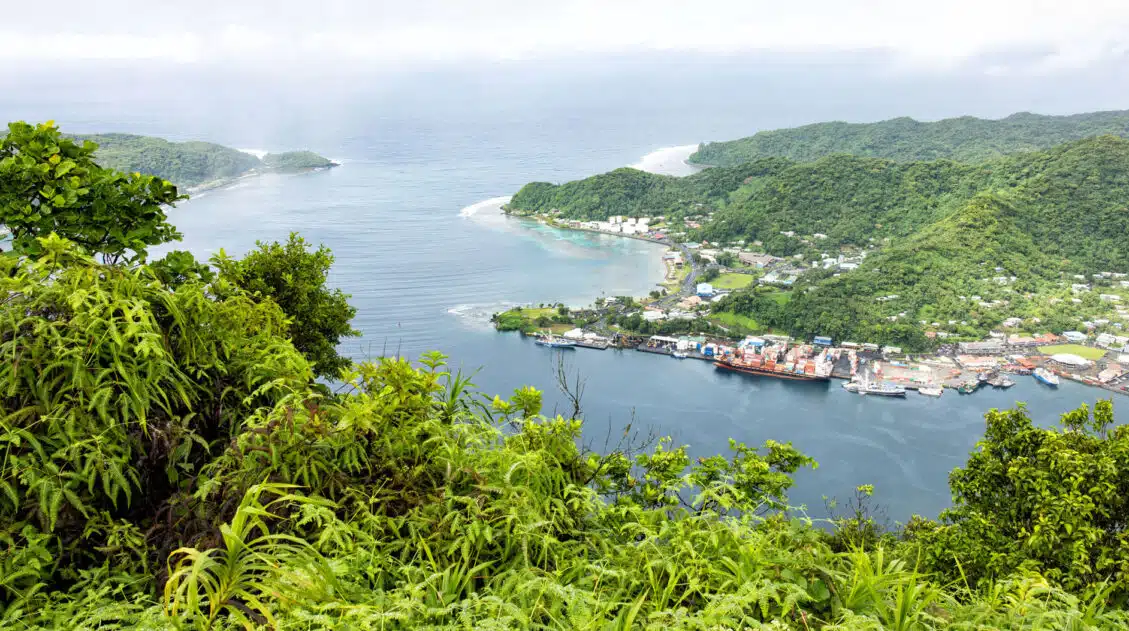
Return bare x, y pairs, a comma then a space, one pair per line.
730, 319
732, 281
1074, 349
780, 297
680, 274
526, 320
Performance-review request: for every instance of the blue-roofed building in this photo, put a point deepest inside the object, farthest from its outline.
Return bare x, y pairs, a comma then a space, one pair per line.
705, 290
822, 340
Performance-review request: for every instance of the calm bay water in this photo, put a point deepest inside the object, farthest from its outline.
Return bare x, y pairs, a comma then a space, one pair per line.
426, 270
426, 266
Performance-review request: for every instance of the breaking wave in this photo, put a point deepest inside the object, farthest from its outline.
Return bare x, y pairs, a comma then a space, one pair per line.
258, 153
668, 161
493, 202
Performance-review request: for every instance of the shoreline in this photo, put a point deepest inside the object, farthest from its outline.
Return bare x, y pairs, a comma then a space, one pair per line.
253, 173
669, 275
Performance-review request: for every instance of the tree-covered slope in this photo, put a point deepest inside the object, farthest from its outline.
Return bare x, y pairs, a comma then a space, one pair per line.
926, 276
966, 139
1072, 199
189, 164
296, 160
183, 163
632, 192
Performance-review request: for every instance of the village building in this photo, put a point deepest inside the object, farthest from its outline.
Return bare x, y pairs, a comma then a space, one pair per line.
986, 347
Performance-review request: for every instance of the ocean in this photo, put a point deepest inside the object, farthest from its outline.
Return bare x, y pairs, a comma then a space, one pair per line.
411, 216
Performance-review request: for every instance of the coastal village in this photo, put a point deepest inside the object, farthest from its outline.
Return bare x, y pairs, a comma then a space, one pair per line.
1097, 356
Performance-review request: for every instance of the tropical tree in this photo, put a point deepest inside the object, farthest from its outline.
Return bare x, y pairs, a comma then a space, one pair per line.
295, 277
1032, 498
51, 184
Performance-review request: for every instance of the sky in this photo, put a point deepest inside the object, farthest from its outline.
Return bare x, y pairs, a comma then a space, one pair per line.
1002, 36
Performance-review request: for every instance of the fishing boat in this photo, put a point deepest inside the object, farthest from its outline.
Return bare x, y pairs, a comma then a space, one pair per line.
553, 341
1001, 381
931, 392
968, 387
1046, 377
851, 386
679, 355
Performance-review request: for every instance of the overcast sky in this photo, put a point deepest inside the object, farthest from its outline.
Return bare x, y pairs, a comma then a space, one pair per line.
1053, 35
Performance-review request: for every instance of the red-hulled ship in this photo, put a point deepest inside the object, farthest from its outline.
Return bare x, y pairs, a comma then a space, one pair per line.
800, 363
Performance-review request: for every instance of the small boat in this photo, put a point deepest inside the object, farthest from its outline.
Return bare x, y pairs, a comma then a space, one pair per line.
931, 392
555, 342
851, 386
1046, 377
883, 389
679, 355
1001, 381
968, 387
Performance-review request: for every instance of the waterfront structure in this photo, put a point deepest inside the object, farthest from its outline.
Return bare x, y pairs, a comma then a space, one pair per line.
1071, 360
986, 347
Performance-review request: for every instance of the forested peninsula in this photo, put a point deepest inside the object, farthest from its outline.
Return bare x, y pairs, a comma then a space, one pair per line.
937, 247
967, 139
193, 164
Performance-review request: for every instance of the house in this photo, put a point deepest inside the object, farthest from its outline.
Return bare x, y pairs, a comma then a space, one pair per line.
705, 290
1110, 297
759, 261
1106, 340
1075, 336
1011, 323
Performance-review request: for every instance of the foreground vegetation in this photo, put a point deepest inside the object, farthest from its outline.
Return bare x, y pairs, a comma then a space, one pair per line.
192, 163
169, 461
966, 139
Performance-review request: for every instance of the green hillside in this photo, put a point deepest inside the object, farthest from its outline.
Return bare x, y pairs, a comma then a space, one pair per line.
296, 160
1039, 216
185, 164
632, 192
193, 163
966, 139
171, 460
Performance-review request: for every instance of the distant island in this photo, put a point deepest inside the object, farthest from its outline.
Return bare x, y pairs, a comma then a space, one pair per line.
912, 253
194, 164
966, 139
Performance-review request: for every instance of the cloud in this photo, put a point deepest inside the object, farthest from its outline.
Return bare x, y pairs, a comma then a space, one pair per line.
1073, 34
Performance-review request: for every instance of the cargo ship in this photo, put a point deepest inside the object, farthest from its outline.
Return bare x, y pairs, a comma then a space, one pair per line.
798, 363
